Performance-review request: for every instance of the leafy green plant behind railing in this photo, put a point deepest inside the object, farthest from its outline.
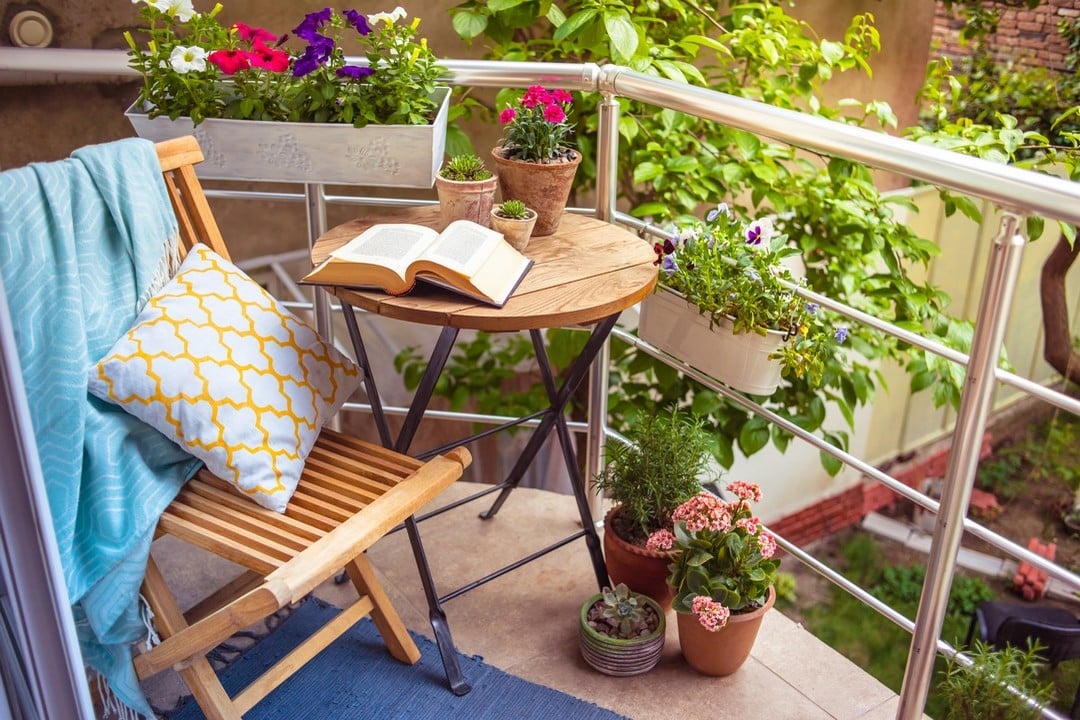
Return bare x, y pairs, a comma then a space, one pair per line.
672, 165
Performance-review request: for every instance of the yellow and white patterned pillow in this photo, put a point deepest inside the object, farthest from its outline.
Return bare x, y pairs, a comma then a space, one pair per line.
222, 369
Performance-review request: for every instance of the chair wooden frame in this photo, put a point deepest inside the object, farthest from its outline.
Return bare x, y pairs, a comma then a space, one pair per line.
351, 494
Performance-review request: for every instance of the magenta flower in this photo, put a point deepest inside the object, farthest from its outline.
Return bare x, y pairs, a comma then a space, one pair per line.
230, 62
268, 58
507, 116
534, 96
252, 35
562, 96
554, 113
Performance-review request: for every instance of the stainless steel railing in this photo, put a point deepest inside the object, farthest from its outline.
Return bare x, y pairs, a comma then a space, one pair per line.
1016, 191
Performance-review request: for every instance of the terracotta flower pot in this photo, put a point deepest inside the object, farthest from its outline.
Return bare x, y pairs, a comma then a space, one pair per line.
465, 200
644, 571
724, 651
517, 231
544, 187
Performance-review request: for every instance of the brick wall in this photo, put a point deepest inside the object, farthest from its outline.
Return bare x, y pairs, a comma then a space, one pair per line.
1029, 36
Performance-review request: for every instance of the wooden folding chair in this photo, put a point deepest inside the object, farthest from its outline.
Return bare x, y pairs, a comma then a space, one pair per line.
351, 493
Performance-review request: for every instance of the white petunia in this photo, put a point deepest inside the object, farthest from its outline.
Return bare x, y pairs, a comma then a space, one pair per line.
389, 18
185, 59
181, 9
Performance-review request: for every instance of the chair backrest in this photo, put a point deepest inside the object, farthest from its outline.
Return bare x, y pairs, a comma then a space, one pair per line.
188, 199
1061, 642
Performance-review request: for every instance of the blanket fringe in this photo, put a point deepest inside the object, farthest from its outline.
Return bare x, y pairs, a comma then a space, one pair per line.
111, 706
147, 616
170, 263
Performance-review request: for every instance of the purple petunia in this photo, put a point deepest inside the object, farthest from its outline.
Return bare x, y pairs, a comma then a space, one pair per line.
355, 72
311, 24
357, 20
315, 54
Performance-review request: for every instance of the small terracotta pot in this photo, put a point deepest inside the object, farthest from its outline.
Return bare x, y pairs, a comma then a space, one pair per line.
724, 651
544, 187
466, 200
516, 231
644, 571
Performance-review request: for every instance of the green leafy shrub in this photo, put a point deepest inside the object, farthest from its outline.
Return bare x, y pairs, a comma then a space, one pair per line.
982, 689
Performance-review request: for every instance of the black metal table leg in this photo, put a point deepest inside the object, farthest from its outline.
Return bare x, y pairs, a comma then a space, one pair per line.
443, 639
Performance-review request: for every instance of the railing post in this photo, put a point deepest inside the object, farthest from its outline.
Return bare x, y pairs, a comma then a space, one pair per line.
607, 161
998, 291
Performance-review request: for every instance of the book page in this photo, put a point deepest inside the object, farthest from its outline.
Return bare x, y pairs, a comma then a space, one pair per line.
463, 246
393, 245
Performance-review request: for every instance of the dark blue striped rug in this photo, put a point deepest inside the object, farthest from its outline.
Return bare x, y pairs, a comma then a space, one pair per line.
356, 679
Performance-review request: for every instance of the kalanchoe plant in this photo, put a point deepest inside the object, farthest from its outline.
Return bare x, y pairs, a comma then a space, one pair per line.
732, 269
537, 129
465, 168
193, 66
722, 556
514, 209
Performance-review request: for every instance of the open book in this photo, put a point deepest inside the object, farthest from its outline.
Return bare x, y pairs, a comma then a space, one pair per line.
466, 257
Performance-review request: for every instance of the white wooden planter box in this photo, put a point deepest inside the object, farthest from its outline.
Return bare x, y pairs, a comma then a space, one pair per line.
740, 361
405, 156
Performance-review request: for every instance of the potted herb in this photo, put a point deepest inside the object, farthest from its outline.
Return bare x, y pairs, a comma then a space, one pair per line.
621, 632
535, 161
982, 689
726, 304
514, 221
286, 105
661, 467
723, 572
466, 190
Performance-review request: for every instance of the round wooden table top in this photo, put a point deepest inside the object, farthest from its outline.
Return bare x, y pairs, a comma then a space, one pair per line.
588, 270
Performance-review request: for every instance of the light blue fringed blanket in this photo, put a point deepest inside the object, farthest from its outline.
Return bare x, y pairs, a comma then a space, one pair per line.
84, 242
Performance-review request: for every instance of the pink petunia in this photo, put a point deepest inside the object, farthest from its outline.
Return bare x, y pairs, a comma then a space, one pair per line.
507, 116
554, 113
268, 58
230, 62
660, 541
251, 34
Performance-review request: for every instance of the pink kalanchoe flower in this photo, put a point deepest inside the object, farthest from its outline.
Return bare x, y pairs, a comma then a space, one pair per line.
660, 541
750, 525
704, 511
767, 544
507, 116
554, 113
745, 491
710, 613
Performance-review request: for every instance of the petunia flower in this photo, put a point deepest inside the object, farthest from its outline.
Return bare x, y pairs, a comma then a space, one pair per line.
185, 59
357, 20
354, 71
268, 58
389, 18
311, 24
230, 62
251, 34
180, 9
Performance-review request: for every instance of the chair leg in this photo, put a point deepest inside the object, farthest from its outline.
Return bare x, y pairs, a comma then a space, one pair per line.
199, 675
395, 635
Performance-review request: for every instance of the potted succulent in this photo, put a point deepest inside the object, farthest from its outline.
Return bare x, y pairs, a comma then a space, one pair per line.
466, 190
662, 466
534, 159
289, 106
514, 221
621, 632
726, 304
723, 571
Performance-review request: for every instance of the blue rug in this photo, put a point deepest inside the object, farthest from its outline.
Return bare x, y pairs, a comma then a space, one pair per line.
356, 678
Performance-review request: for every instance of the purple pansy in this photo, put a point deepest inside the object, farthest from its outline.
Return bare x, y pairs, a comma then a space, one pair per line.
668, 264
